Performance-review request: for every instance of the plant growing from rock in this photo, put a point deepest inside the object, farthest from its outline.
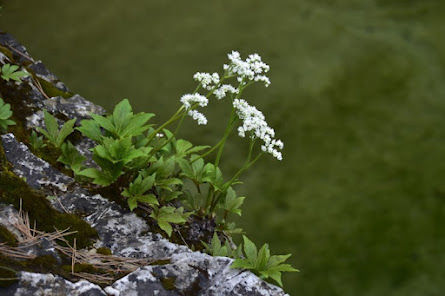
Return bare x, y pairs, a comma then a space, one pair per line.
9, 71
52, 132
5, 114
36, 141
151, 167
262, 263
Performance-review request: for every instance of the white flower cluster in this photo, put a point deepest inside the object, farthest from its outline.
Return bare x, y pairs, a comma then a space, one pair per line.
208, 81
251, 69
188, 99
223, 90
199, 117
255, 122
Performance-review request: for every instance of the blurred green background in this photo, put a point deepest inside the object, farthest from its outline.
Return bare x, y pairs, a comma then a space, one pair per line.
357, 95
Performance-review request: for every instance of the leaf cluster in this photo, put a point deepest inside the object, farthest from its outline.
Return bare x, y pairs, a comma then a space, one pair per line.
9, 71
52, 132
262, 263
5, 114
116, 135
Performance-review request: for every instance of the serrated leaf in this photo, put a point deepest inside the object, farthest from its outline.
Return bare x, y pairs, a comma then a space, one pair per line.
17, 75
250, 250
263, 257
91, 129
136, 125
105, 123
166, 227
71, 157
65, 131
121, 116
132, 203
51, 126
242, 264
149, 198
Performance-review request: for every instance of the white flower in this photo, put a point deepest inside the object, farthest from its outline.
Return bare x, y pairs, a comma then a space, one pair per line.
159, 135
255, 123
223, 90
199, 117
188, 99
251, 69
208, 81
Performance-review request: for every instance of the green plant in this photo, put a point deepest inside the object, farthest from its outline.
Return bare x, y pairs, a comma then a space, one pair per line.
52, 132
150, 166
71, 157
5, 114
10, 72
136, 191
166, 215
262, 263
36, 141
217, 249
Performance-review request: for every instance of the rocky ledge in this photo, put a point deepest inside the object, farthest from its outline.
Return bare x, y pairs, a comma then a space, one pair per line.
150, 264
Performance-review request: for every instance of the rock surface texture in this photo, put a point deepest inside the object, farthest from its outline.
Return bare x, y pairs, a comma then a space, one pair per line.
182, 271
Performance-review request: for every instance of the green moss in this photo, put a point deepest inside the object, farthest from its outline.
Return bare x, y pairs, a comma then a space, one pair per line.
168, 283
7, 237
13, 189
88, 268
8, 276
104, 251
7, 53
52, 91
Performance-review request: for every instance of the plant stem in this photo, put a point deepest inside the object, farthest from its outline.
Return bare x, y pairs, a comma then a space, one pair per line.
226, 135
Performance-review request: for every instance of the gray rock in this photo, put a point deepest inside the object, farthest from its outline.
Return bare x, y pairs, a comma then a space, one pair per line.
74, 107
34, 170
38, 284
192, 274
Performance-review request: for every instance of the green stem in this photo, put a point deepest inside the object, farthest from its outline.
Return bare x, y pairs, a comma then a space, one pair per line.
229, 128
172, 119
246, 165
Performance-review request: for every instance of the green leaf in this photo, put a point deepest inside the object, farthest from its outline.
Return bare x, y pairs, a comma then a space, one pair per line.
105, 123
166, 227
9, 72
242, 264
35, 141
231, 203
263, 257
91, 129
171, 196
52, 132
132, 202
149, 199
5, 114
65, 131
166, 215
121, 116
71, 157
136, 125
250, 250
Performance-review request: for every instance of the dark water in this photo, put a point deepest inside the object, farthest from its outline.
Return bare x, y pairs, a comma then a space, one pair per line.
357, 95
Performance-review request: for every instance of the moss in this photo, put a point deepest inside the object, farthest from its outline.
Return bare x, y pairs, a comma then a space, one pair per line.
52, 91
7, 237
8, 277
104, 251
168, 283
88, 268
7, 53
13, 189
